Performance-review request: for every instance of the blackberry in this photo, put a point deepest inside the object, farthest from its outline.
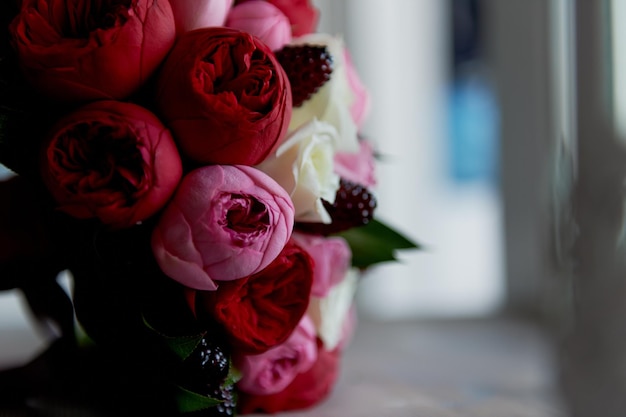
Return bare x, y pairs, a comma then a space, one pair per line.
207, 366
354, 206
227, 407
308, 67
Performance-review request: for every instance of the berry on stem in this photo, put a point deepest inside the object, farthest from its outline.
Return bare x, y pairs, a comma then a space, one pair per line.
354, 206
308, 68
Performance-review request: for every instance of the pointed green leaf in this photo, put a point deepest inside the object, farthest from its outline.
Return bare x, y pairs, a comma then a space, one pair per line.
189, 401
375, 243
182, 346
233, 375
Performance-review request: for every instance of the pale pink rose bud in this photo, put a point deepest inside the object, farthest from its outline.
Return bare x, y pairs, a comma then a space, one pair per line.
358, 166
196, 14
360, 107
331, 256
225, 222
273, 370
263, 20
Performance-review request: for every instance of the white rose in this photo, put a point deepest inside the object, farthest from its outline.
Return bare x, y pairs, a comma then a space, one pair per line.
330, 313
304, 166
332, 102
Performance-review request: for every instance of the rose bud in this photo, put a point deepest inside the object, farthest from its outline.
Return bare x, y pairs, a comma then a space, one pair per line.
263, 20
301, 13
260, 311
332, 257
111, 160
306, 390
87, 50
271, 371
357, 167
196, 14
224, 223
360, 107
224, 96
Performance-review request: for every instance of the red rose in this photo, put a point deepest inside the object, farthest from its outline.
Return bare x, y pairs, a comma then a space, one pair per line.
262, 310
97, 49
111, 160
225, 97
306, 390
301, 13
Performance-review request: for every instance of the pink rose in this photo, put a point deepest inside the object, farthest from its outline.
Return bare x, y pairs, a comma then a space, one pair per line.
357, 167
262, 20
301, 13
196, 14
111, 160
361, 104
86, 50
332, 257
307, 388
224, 223
270, 372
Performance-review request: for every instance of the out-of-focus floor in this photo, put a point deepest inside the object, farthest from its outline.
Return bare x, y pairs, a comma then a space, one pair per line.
480, 368
434, 368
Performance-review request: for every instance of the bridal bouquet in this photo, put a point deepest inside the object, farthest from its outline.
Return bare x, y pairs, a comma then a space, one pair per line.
197, 167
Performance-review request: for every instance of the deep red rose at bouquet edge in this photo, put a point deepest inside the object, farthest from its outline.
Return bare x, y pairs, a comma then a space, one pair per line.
78, 51
225, 97
262, 310
110, 160
306, 390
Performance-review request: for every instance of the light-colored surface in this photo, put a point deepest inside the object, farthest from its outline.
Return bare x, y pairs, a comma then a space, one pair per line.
445, 369
486, 368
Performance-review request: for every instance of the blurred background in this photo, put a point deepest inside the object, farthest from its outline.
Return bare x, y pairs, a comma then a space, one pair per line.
436, 120
502, 124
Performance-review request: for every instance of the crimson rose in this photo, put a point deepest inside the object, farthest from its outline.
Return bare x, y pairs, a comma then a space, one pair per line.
83, 50
225, 97
262, 310
111, 160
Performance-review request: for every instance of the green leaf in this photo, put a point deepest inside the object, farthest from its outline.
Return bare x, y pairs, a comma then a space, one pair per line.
189, 401
233, 375
182, 346
375, 243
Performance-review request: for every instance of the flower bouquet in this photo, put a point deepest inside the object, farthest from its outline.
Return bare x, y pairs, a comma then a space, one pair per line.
196, 166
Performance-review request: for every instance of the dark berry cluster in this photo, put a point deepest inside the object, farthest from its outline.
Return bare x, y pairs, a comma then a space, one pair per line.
308, 68
206, 371
354, 206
